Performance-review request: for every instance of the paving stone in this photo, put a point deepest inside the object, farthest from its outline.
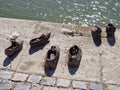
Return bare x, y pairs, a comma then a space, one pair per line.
6, 85
79, 84
113, 87
96, 86
34, 78
22, 86
36, 87
64, 89
20, 77
49, 88
5, 74
63, 83
49, 81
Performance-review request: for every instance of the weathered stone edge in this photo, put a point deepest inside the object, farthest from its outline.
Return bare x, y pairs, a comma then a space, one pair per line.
46, 82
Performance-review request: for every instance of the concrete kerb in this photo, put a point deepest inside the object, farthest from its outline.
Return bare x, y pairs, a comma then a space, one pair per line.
80, 84
91, 69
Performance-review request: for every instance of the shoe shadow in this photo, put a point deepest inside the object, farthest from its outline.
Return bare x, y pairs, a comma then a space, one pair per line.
111, 40
49, 72
8, 60
97, 40
73, 70
33, 50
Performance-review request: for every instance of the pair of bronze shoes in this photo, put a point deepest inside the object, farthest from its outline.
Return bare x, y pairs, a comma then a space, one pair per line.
110, 30
52, 56
35, 42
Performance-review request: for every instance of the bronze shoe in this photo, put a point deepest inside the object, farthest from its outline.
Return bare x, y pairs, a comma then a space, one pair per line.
96, 35
10, 51
35, 42
96, 32
110, 30
74, 56
52, 57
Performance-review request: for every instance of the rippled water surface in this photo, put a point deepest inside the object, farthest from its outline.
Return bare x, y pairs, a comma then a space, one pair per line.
83, 12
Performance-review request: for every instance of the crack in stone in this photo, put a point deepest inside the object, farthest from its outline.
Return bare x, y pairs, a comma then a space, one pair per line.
101, 67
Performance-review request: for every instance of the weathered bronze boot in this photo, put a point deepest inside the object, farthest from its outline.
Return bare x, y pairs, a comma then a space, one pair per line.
74, 56
96, 32
35, 42
110, 30
52, 57
14, 48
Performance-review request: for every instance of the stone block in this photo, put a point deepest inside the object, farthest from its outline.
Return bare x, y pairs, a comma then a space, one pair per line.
113, 87
63, 82
5, 74
22, 86
6, 85
20, 77
34, 78
96, 86
36, 87
50, 88
79, 84
49, 81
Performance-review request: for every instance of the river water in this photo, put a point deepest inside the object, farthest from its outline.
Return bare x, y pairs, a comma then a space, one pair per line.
80, 12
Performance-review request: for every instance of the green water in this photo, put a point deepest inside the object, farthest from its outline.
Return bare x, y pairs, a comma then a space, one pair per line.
81, 12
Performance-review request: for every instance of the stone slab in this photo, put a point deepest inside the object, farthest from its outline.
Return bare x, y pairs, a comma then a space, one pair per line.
79, 85
111, 67
6, 85
65, 89
20, 77
34, 78
49, 81
36, 87
22, 86
63, 83
96, 86
5, 74
49, 88
113, 87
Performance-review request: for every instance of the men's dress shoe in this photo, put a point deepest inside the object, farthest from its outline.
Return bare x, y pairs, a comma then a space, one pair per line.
96, 32
10, 51
74, 56
35, 42
52, 57
110, 30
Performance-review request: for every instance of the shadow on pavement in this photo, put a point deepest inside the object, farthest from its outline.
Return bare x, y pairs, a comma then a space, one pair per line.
8, 60
49, 72
33, 50
111, 40
73, 70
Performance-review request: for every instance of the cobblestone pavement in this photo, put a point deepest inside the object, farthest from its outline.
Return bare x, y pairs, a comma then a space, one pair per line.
10, 80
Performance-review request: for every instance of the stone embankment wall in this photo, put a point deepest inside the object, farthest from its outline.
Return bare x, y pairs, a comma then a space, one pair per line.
98, 63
